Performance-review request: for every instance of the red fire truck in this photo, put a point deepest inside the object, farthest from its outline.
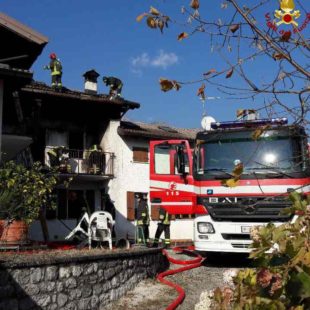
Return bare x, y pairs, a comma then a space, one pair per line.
185, 181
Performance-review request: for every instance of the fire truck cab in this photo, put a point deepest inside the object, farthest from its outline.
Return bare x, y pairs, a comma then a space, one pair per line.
275, 161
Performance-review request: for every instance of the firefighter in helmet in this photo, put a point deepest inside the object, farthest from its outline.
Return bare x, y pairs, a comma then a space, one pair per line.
143, 219
115, 85
163, 226
56, 71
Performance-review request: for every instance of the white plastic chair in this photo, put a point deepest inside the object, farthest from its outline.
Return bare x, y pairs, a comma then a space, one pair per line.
99, 227
79, 228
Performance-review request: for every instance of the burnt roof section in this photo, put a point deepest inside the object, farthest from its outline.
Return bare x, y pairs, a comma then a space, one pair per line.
20, 45
155, 131
43, 90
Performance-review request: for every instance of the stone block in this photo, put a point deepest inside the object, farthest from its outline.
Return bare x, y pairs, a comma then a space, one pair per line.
48, 286
71, 306
37, 274
77, 271
93, 279
31, 289
51, 273
70, 283
61, 300
95, 267
52, 307
84, 304
87, 291
115, 282
109, 273
64, 272
59, 287
21, 276
88, 269
94, 302
42, 300
97, 289
75, 294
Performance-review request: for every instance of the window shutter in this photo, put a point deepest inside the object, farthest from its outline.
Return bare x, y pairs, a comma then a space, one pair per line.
140, 154
155, 212
130, 206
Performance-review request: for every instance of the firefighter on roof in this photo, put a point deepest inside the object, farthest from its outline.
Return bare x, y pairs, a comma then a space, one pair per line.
115, 85
56, 71
143, 219
163, 226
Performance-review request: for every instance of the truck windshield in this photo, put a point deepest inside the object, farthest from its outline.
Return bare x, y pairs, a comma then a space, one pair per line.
273, 153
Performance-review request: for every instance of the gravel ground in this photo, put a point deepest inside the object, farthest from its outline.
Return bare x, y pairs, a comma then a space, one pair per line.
152, 295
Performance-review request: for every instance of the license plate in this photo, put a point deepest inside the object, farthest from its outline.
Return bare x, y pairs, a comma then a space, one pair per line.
245, 229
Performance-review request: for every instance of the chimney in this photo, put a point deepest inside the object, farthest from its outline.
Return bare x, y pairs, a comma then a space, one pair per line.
90, 82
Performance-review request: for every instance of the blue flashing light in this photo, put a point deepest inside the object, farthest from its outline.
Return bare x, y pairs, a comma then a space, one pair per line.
254, 123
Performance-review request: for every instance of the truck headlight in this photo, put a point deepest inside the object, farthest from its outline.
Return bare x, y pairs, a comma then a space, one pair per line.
205, 228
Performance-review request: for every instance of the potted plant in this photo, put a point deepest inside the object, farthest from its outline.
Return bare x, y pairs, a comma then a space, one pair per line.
23, 192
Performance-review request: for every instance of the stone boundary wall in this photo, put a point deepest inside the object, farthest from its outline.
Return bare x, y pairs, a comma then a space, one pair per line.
88, 282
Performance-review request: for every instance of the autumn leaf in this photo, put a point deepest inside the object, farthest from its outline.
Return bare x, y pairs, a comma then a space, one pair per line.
182, 36
140, 17
167, 85
230, 182
277, 56
209, 72
240, 113
234, 28
151, 22
286, 36
154, 11
229, 73
161, 25
259, 131
238, 170
201, 92
194, 4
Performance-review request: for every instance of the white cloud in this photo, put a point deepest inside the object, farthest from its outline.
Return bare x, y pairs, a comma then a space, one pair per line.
161, 60
165, 60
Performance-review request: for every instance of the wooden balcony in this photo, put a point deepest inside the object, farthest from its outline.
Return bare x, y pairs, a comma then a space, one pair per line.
80, 162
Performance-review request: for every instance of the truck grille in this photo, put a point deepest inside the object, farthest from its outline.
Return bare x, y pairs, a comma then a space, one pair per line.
236, 236
254, 209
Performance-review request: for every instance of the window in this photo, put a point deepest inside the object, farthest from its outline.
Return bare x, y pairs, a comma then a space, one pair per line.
71, 204
132, 205
166, 159
56, 138
140, 154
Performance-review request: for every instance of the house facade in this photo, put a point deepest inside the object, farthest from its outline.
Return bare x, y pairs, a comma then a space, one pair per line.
130, 143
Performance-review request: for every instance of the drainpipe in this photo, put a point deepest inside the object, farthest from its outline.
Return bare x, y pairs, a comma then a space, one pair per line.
1, 109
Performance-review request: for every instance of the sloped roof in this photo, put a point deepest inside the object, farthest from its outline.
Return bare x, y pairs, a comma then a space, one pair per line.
20, 45
155, 131
40, 88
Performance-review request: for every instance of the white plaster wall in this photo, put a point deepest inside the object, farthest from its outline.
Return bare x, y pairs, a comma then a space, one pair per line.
134, 177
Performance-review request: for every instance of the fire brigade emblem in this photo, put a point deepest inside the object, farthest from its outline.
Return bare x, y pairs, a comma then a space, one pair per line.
172, 186
287, 15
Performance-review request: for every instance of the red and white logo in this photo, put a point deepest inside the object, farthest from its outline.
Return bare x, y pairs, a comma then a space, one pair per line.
172, 186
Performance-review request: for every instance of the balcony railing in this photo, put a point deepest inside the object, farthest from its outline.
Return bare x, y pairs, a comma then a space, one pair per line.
84, 162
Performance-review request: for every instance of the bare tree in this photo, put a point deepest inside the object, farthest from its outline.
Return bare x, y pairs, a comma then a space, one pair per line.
248, 31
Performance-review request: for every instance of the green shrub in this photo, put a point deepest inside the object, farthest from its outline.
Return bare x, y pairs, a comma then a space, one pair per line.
24, 191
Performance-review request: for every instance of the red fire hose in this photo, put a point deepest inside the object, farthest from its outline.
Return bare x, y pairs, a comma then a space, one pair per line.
193, 263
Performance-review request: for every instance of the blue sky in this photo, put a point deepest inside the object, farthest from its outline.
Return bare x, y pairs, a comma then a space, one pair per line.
104, 35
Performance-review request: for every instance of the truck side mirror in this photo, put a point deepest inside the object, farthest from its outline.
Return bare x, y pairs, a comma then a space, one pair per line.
180, 159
